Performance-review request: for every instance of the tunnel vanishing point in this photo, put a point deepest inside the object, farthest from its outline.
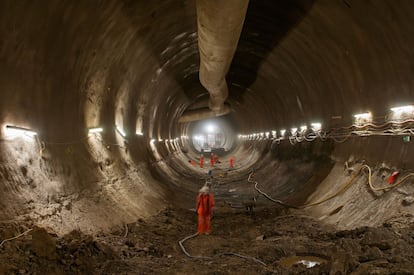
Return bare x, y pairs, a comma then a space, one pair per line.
101, 104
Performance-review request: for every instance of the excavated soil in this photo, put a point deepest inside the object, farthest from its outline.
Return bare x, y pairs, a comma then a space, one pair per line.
267, 241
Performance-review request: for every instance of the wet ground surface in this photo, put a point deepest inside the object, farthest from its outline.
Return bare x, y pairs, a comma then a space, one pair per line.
267, 241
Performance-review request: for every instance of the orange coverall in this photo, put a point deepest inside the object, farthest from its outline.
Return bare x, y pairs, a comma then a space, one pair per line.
205, 203
201, 161
231, 162
212, 160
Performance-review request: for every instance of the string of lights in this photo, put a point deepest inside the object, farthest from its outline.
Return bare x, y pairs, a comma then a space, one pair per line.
400, 123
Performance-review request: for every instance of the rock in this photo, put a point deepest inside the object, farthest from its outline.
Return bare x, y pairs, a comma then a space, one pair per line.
342, 263
382, 238
260, 238
67, 205
130, 243
408, 200
397, 259
372, 253
43, 244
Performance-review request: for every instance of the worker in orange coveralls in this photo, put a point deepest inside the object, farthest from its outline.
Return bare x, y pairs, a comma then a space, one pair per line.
231, 160
212, 159
201, 161
205, 205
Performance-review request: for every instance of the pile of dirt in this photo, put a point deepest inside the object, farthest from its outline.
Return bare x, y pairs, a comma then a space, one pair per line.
42, 252
263, 242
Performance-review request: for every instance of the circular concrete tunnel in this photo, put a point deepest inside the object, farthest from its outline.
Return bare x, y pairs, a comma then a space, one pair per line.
131, 68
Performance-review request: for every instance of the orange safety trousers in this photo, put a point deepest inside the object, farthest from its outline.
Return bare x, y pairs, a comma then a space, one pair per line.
205, 203
203, 224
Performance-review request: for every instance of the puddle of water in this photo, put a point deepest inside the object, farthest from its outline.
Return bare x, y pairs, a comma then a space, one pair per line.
308, 261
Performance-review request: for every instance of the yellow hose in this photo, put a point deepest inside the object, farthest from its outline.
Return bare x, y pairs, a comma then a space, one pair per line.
386, 187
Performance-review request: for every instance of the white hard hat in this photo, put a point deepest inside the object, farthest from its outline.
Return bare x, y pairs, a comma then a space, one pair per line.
204, 189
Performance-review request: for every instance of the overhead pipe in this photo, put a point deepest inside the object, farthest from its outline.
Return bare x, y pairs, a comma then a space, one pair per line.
219, 24
202, 113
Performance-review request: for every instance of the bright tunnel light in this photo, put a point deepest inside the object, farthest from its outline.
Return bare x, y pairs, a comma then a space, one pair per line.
363, 115
303, 128
15, 130
293, 130
210, 128
139, 133
316, 126
401, 109
282, 132
152, 141
120, 131
95, 130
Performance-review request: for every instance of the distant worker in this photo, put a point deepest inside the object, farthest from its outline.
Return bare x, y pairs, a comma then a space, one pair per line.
212, 159
205, 205
192, 162
231, 160
201, 161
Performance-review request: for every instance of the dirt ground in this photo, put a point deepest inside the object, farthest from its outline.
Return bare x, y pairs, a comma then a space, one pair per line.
267, 241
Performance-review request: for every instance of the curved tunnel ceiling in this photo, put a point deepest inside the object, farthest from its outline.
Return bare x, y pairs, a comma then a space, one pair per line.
67, 67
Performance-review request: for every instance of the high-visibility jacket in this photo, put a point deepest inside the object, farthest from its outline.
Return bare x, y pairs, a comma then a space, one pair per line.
231, 162
205, 202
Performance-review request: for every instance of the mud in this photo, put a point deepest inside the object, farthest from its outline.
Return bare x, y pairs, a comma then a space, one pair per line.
240, 242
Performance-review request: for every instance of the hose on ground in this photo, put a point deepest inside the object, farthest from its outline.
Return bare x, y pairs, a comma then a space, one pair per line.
341, 190
181, 243
373, 188
16, 237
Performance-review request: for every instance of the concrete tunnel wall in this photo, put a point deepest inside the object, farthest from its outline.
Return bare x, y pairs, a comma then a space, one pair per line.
67, 67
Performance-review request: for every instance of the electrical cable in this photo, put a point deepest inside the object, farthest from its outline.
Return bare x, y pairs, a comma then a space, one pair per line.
181, 243
341, 190
16, 237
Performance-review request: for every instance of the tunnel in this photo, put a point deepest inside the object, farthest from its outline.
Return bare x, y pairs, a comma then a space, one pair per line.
108, 110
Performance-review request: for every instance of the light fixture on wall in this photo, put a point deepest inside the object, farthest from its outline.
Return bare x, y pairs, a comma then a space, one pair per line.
15, 130
139, 133
282, 132
120, 131
366, 115
403, 112
316, 126
363, 118
303, 128
403, 109
95, 130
